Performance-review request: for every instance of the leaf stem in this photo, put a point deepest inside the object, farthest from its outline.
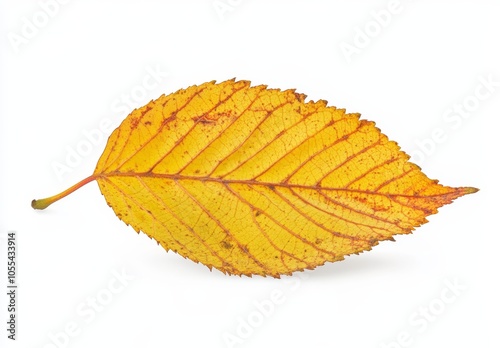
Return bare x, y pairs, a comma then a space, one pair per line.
45, 202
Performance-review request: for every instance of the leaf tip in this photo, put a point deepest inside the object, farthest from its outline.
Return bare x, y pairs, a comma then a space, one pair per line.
469, 190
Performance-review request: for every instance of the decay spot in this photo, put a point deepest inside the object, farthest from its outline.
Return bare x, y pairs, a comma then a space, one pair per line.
226, 245
134, 122
203, 120
212, 118
169, 119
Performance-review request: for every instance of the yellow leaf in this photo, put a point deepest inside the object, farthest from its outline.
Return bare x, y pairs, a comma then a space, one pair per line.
251, 180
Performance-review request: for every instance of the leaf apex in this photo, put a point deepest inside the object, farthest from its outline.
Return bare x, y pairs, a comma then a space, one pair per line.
469, 190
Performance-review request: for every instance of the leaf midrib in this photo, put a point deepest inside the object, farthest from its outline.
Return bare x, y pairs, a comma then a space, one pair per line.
270, 185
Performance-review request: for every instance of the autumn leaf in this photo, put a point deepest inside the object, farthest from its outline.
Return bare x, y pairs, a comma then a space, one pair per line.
251, 180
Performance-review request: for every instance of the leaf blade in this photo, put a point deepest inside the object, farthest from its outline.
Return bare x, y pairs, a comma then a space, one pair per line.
251, 180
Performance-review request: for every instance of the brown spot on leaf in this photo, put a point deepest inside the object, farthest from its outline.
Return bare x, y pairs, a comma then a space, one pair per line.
226, 244
212, 118
169, 119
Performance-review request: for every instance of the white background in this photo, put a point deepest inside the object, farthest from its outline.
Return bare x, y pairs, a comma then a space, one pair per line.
74, 70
